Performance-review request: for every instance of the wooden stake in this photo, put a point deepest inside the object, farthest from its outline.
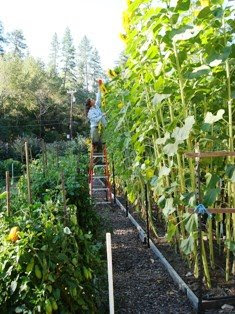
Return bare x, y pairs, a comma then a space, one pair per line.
12, 174
28, 172
57, 155
30, 153
110, 272
8, 193
64, 197
44, 153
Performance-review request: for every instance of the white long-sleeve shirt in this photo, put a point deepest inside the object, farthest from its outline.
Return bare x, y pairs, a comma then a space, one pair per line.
95, 114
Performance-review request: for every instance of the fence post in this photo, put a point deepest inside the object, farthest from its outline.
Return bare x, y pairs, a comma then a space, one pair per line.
114, 183
64, 197
8, 193
28, 173
12, 174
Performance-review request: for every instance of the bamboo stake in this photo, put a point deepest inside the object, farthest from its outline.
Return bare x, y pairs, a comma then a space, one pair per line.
8, 193
28, 173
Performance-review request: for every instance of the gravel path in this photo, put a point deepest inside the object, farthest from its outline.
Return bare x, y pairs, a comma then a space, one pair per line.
141, 284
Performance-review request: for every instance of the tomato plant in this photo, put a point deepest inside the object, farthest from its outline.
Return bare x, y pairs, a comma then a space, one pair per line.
50, 260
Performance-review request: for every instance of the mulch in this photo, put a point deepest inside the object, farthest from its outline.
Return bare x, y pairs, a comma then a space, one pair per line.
141, 283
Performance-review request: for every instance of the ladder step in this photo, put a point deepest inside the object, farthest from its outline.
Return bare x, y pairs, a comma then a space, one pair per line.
100, 177
98, 155
99, 189
100, 203
99, 165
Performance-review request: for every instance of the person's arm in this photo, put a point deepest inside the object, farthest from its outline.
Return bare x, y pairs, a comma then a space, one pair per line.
98, 95
98, 99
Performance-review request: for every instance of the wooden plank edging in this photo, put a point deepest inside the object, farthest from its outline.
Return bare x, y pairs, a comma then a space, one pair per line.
174, 275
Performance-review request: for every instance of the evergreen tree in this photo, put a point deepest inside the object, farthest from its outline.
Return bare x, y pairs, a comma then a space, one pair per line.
96, 70
17, 43
68, 60
54, 55
2, 39
84, 57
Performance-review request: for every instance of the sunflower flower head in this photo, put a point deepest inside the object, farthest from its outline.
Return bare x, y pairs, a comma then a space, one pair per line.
123, 37
126, 20
120, 105
112, 73
103, 89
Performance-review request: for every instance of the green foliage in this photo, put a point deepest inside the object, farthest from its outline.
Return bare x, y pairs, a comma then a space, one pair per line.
56, 262
173, 92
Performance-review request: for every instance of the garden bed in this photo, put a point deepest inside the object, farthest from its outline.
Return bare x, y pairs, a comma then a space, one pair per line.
220, 294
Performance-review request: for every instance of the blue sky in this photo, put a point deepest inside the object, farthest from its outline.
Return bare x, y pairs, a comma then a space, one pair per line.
100, 20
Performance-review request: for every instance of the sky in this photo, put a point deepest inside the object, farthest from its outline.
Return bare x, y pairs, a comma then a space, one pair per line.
99, 20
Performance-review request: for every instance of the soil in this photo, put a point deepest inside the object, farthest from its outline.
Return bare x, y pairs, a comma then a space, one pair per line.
141, 284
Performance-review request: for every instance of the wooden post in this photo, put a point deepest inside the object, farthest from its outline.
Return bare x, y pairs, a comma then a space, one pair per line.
28, 172
44, 153
30, 153
57, 155
110, 272
64, 197
12, 174
8, 193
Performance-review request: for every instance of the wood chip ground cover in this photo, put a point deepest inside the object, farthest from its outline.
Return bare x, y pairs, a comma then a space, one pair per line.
141, 284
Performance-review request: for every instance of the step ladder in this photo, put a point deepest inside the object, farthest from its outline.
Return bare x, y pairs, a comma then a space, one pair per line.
99, 176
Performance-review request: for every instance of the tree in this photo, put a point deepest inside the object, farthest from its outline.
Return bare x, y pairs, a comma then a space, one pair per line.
54, 55
84, 57
2, 39
17, 43
68, 60
96, 70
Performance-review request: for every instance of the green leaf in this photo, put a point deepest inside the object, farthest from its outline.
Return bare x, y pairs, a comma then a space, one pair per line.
230, 245
187, 33
204, 13
162, 140
19, 309
171, 230
158, 98
171, 149
210, 196
188, 198
230, 172
200, 71
154, 181
3, 195
187, 245
13, 286
210, 118
169, 207
191, 224
164, 171
213, 181
182, 5
159, 84
181, 134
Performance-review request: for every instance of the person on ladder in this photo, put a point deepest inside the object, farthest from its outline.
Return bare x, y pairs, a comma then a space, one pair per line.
95, 116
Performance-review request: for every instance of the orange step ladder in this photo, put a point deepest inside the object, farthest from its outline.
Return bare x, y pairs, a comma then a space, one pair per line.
99, 173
